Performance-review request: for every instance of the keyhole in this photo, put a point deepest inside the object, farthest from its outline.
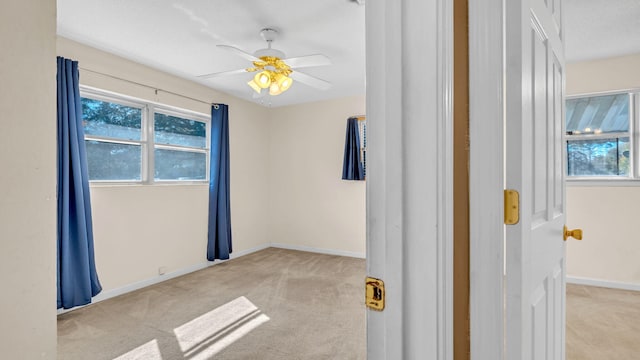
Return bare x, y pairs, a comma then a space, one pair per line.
377, 293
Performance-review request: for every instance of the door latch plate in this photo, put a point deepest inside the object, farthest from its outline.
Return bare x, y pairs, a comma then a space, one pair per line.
374, 294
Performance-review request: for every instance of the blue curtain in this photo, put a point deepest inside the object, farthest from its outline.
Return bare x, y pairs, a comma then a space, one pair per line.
352, 164
77, 278
219, 236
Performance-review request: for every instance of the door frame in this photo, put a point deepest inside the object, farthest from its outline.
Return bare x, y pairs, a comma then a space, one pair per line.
410, 177
486, 178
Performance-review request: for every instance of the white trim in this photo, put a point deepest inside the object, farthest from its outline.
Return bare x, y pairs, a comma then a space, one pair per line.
409, 179
602, 283
486, 179
626, 182
602, 136
158, 279
123, 183
384, 180
602, 93
445, 179
319, 250
633, 135
106, 94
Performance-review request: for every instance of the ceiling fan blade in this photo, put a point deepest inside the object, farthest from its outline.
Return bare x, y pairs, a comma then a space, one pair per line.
310, 80
239, 52
224, 73
308, 61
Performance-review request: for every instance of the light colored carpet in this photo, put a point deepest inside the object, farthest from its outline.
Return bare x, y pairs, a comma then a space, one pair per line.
602, 323
282, 304
273, 304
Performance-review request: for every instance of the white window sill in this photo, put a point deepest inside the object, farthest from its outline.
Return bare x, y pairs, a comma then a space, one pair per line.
604, 182
99, 184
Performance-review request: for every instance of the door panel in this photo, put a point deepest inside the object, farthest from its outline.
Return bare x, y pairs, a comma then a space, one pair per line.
535, 269
538, 315
539, 116
557, 319
558, 143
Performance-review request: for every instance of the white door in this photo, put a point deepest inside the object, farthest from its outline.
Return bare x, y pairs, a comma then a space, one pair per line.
535, 250
409, 177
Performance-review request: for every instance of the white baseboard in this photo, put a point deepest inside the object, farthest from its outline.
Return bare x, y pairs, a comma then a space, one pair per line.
160, 278
243, 253
602, 283
319, 250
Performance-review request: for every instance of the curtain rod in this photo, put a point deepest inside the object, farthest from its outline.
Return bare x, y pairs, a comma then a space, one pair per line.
147, 86
360, 117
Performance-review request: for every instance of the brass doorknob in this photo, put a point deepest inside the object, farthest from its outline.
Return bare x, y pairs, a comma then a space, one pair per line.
575, 233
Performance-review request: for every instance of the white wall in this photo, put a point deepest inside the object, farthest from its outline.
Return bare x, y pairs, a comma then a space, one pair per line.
310, 206
138, 229
28, 180
610, 250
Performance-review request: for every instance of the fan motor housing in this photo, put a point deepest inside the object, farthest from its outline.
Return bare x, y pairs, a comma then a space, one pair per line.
269, 52
269, 34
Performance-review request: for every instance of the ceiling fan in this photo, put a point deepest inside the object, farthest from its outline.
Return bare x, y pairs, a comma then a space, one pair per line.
275, 73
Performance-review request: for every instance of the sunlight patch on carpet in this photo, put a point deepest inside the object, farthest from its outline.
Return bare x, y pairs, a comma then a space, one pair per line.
148, 351
210, 333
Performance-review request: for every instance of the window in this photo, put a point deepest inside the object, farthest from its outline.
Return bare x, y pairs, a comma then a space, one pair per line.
136, 141
599, 136
180, 148
113, 137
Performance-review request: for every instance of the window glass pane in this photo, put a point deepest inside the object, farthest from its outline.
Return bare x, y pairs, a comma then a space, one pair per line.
180, 165
602, 157
109, 161
112, 120
598, 114
171, 130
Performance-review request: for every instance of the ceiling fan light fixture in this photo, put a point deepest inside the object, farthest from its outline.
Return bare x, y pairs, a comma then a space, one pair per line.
272, 70
284, 82
263, 79
275, 89
254, 85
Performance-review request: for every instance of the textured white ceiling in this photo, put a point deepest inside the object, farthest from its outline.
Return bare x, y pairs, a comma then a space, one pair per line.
179, 37
598, 29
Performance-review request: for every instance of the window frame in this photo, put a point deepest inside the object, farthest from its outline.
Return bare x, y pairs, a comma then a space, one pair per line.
147, 136
632, 134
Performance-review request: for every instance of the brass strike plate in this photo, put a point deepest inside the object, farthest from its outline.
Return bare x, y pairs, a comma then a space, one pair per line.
511, 207
374, 294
